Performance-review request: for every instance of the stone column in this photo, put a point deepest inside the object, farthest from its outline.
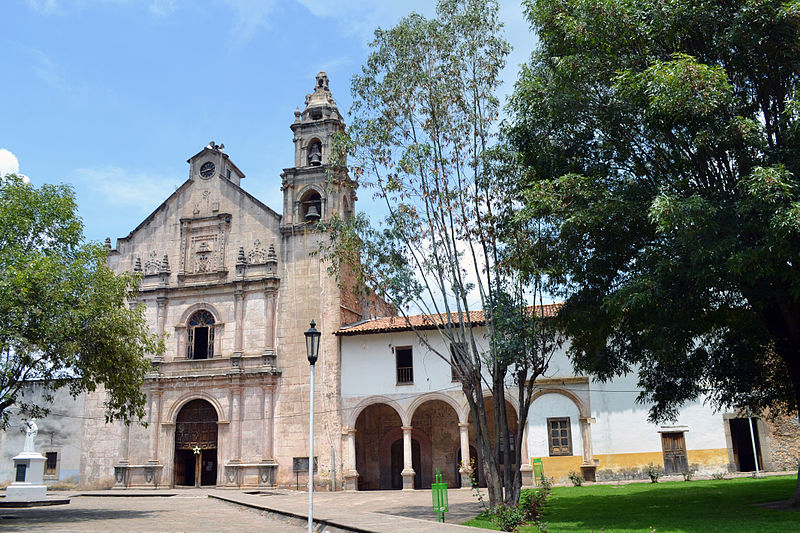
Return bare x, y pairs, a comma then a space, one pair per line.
465, 470
350, 472
238, 299
268, 426
588, 467
408, 468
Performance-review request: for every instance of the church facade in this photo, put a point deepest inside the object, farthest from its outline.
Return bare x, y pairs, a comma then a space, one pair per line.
232, 286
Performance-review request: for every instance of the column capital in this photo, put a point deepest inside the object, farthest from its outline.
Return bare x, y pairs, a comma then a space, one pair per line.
463, 426
587, 419
406, 428
347, 430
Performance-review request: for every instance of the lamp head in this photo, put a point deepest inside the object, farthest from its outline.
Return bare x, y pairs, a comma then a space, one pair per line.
312, 343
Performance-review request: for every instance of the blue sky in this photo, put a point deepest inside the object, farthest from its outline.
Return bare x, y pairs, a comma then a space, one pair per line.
112, 96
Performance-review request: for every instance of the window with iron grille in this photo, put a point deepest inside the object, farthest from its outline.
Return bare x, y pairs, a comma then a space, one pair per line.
405, 364
560, 436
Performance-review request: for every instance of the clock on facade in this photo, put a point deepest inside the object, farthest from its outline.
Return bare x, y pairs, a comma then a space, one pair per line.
207, 170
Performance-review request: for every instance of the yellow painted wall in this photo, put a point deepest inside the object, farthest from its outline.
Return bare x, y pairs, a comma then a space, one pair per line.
560, 467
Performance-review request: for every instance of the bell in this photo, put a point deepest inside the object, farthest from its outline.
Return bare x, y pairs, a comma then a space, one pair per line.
316, 159
312, 213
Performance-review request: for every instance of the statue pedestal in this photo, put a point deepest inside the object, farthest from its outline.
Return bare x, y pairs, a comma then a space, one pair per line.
28, 485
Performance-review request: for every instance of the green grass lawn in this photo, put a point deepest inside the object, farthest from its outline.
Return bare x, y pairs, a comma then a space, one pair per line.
691, 507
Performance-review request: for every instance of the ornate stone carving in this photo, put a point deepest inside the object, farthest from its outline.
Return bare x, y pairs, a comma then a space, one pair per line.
153, 265
257, 255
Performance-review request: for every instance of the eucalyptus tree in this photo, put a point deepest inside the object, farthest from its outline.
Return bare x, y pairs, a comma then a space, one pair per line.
65, 319
661, 142
424, 117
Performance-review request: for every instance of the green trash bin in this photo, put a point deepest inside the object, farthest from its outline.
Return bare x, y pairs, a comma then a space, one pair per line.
439, 494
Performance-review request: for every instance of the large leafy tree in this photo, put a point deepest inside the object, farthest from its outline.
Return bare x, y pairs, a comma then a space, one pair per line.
661, 140
64, 315
423, 115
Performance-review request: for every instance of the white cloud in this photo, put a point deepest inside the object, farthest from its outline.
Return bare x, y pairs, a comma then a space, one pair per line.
162, 8
121, 188
9, 164
248, 17
48, 7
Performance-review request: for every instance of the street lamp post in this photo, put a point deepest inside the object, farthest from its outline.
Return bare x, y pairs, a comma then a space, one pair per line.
312, 350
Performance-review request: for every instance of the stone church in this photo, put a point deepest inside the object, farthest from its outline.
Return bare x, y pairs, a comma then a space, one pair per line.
232, 286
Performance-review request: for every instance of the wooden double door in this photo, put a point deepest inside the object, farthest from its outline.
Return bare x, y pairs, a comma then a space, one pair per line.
196, 445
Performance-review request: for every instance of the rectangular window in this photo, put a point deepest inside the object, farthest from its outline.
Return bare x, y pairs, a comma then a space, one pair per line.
560, 436
51, 466
455, 371
405, 364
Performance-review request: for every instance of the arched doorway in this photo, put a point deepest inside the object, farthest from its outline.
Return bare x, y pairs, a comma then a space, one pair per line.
373, 462
438, 421
196, 445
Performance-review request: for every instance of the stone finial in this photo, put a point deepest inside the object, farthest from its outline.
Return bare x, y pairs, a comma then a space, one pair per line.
137, 266
241, 260
108, 243
165, 265
271, 255
297, 114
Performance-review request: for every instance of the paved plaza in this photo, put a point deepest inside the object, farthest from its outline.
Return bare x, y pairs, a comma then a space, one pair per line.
179, 513
222, 511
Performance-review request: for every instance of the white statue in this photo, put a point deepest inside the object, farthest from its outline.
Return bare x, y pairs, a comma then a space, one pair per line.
31, 430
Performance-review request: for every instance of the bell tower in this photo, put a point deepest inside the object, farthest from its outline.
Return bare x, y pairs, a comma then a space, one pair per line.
316, 189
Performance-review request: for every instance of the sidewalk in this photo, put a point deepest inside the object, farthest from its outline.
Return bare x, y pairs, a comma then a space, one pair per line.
368, 511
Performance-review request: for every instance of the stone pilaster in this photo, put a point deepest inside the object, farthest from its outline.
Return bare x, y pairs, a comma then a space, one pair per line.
350, 472
268, 426
588, 467
238, 299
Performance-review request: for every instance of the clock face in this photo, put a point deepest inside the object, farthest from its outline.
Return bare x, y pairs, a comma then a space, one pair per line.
207, 170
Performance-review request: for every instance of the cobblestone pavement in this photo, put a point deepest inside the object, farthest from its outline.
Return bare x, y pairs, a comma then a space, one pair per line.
191, 512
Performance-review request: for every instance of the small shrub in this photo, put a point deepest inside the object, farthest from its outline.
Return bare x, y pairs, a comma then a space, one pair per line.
576, 478
653, 472
507, 517
718, 475
532, 501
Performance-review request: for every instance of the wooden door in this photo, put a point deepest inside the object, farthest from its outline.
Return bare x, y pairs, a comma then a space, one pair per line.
674, 446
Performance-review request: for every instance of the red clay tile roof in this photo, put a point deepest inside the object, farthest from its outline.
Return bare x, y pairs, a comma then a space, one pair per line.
398, 323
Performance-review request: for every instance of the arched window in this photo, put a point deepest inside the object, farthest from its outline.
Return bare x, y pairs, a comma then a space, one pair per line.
200, 330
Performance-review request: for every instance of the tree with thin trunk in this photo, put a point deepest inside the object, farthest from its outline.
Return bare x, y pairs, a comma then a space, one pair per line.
423, 117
